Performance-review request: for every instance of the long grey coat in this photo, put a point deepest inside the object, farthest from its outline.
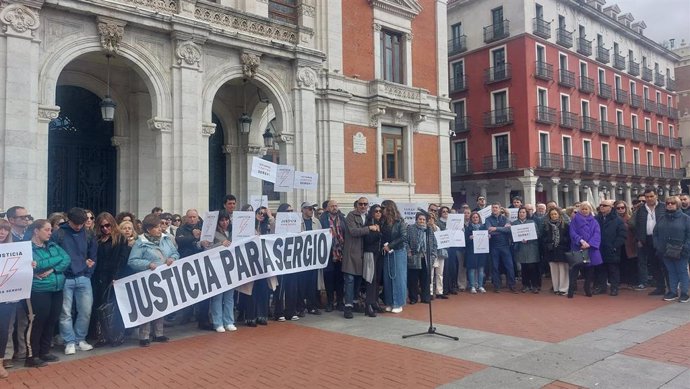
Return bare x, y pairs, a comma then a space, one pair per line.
353, 247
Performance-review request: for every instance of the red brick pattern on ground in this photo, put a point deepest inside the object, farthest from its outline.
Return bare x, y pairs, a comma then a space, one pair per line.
562, 385
671, 347
280, 355
543, 316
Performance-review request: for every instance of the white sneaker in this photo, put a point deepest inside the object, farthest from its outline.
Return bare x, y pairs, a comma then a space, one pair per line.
230, 327
83, 346
294, 318
481, 289
473, 290
282, 318
388, 309
220, 329
396, 310
70, 349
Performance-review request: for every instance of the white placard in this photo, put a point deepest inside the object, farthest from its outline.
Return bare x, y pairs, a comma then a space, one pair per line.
480, 239
285, 177
443, 238
16, 272
484, 213
288, 222
263, 169
304, 180
521, 232
243, 225
512, 214
455, 222
258, 201
408, 212
208, 230
457, 238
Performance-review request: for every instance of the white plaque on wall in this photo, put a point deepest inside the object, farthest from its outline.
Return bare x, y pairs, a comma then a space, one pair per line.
359, 143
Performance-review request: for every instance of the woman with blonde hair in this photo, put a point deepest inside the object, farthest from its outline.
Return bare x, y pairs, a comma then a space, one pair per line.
394, 238
585, 235
127, 230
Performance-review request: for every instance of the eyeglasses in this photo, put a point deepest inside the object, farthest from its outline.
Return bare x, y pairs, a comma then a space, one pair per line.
621, 207
670, 203
362, 204
377, 211
107, 225
177, 220
433, 210
91, 218
24, 217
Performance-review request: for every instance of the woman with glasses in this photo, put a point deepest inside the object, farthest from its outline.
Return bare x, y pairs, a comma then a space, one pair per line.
372, 253
555, 242
175, 224
89, 223
223, 304
57, 218
394, 238
527, 255
113, 254
475, 262
628, 260
672, 243
612, 241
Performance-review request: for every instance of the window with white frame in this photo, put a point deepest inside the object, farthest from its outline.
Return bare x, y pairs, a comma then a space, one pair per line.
392, 160
392, 59
461, 162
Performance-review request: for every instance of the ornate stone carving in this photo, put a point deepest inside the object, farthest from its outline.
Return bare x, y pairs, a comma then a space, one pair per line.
375, 115
377, 27
405, 8
229, 149
409, 36
119, 141
188, 52
20, 18
232, 20
254, 150
111, 32
250, 64
208, 129
47, 113
158, 124
287, 138
306, 77
157, 5
306, 10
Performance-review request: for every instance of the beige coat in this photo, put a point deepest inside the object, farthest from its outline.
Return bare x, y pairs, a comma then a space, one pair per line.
353, 248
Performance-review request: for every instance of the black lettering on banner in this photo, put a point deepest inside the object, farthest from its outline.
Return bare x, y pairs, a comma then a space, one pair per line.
287, 253
228, 264
298, 252
180, 287
268, 262
161, 301
322, 246
242, 268
188, 271
130, 296
211, 276
308, 250
253, 258
278, 253
167, 275
200, 277
145, 309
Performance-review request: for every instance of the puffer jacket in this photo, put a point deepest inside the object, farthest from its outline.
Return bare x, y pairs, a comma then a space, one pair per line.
144, 252
673, 227
50, 256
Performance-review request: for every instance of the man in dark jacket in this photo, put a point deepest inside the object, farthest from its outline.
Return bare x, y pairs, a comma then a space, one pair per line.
646, 218
612, 240
685, 203
81, 246
499, 247
332, 273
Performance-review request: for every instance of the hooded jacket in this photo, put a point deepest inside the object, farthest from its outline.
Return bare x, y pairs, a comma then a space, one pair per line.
80, 246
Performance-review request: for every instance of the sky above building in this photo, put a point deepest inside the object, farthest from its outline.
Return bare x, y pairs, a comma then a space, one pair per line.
665, 19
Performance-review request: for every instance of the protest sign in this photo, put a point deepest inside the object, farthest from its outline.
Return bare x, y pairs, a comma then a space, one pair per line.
208, 230
16, 272
285, 177
522, 232
443, 239
408, 211
455, 222
258, 201
243, 225
484, 213
480, 238
152, 294
288, 222
457, 238
305, 180
263, 169
512, 214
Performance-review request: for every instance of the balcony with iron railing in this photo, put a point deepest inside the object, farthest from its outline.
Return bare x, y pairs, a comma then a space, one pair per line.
497, 73
639, 135
458, 83
589, 124
569, 120
566, 78
461, 167
549, 161
635, 100
624, 132
499, 162
647, 74
649, 105
618, 61
676, 143
541, 28
607, 128
664, 140
633, 68
671, 84
586, 84
545, 115
498, 117
496, 31
662, 109
584, 46
603, 55
461, 124
622, 96
457, 45
544, 71
673, 113
659, 79
604, 91
652, 138
564, 37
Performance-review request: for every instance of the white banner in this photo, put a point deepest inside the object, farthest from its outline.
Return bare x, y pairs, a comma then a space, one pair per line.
306, 181
208, 230
480, 238
16, 272
263, 169
527, 231
288, 223
152, 294
285, 177
243, 225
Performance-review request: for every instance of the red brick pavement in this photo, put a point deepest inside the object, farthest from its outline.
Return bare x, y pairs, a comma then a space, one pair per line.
672, 347
562, 385
543, 316
280, 355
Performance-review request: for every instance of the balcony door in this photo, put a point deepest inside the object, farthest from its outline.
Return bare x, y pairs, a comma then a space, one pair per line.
501, 152
500, 107
498, 58
497, 21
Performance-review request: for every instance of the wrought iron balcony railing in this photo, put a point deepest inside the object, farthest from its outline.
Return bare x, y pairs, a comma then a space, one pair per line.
647, 74
496, 31
461, 124
544, 71
564, 37
659, 79
566, 78
607, 128
458, 83
604, 91
635, 100
633, 68
589, 124
568, 120
584, 47
618, 61
545, 115
541, 28
498, 73
622, 96
500, 162
603, 55
461, 167
586, 84
498, 117
457, 45
624, 132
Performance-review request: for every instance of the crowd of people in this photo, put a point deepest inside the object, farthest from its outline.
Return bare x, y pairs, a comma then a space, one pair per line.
378, 263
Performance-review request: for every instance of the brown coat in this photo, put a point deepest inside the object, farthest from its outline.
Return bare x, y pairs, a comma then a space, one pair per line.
353, 247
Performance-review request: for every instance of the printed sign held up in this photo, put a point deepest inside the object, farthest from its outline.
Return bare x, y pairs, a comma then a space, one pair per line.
265, 170
285, 177
306, 181
16, 273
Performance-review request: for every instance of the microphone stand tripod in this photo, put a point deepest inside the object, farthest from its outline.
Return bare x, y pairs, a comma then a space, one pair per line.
431, 330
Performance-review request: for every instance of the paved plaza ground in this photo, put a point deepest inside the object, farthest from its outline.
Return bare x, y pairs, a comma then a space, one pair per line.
506, 341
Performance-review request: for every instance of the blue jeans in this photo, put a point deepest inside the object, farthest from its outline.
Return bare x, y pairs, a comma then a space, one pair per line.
476, 277
222, 306
677, 273
351, 286
77, 290
501, 254
395, 278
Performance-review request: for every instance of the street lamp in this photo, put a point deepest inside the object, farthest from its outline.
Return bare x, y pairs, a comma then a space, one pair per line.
245, 121
540, 187
107, 104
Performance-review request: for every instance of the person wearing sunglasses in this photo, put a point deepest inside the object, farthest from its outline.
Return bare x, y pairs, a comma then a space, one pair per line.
89, 224
628, 254
19, 219
672, 243
113, 254
613, 236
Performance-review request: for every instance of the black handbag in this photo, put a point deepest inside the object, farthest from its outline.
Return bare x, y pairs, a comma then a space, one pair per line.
111, 327
673, 250
578, 257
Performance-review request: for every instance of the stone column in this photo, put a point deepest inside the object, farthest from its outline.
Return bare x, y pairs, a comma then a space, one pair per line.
595, 191
529, 186
162, 175
554, 190
614, 191
628, 193
482, 191
304, 153
576, 190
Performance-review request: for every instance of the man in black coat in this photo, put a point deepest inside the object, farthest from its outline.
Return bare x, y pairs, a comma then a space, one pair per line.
646, 218
613, 236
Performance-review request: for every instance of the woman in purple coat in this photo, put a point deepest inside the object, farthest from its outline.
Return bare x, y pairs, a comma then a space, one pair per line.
585, 234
